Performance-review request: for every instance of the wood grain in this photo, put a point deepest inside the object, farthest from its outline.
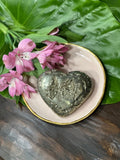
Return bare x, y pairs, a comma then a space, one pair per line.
25, 137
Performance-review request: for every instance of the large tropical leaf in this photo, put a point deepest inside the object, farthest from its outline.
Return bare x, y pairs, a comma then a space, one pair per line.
88, 23
100, 32
114, 6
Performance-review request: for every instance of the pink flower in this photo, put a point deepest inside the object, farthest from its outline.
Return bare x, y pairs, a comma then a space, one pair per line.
27, 89
54, 31
16, 86
3, 84
21, 57
52, 55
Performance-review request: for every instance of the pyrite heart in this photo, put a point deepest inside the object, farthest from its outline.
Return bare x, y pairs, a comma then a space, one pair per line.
64, 93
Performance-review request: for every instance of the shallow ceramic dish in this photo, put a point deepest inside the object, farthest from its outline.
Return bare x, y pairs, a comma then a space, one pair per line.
78, 59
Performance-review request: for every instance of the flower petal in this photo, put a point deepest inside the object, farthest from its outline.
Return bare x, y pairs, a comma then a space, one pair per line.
49, 65
41, 58
19, 65
42, 55
16, 51
5, 75
54, 31
12, 88
33, 55
61, 48
12, 91
2, 88
26, 45
3, 84
52, 55
50, 45
19, 87
43, 66
15, 74
9, 61
28, 66
19, 68
28, 89
28, 55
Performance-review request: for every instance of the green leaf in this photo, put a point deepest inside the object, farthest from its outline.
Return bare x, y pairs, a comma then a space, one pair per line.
6, 47
17, 99
3, 28
47, 30
101, 34
7, 17
3, 70
35, 14
38, 69
2, 39
115, 7
88, 23
21, 101
112, 90
5, 94
37, 38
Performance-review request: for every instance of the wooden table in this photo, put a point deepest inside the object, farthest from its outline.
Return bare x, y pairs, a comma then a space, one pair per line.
25, 137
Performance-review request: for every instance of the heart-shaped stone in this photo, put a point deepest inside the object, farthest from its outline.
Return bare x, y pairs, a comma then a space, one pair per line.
64, 93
